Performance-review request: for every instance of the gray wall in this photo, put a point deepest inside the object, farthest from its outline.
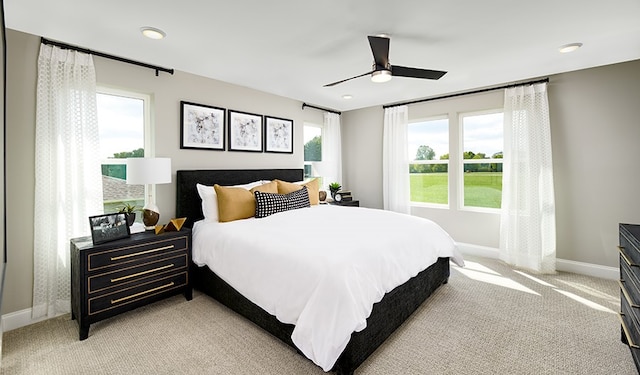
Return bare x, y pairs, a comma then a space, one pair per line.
594, 116
166, 91
595, 130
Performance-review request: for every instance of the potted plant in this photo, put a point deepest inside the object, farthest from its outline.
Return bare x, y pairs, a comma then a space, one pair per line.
334, 187
129, 212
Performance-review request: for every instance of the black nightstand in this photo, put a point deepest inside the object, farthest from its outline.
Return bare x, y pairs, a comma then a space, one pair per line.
114, 277
347, 203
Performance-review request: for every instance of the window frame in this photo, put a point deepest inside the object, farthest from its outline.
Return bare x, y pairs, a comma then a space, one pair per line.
312, 164
148, 133
446, 162
461, 161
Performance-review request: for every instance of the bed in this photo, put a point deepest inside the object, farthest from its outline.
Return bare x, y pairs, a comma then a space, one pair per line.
385, 316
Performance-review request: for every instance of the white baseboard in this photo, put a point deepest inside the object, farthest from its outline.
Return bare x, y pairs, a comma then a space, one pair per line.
22, 318
19, 319
589, 269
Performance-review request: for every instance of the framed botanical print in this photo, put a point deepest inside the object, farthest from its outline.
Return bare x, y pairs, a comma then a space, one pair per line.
201, 126
278, 133
245, 131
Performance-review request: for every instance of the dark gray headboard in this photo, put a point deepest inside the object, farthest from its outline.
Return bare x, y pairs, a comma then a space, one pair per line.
188, 202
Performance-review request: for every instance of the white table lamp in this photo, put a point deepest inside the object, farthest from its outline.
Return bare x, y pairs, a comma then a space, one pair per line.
149, 171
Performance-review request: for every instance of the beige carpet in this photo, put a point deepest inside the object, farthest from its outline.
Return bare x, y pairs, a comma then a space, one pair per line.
489, 319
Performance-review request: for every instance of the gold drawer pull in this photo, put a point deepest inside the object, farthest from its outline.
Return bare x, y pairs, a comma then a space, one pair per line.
142, 252
626, 259
626, 332
142, 273
626, 295
114, 301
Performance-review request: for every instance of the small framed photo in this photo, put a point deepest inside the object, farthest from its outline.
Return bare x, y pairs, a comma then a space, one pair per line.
278, 133
109, 227
245, 131
201, 126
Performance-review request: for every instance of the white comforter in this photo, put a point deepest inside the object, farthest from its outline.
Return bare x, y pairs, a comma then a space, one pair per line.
321, 268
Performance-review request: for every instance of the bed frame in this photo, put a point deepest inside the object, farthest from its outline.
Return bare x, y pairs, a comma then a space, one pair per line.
387, 315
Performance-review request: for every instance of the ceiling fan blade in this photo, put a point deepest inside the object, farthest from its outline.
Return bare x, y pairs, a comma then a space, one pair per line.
403, 71
348, 79
380, 49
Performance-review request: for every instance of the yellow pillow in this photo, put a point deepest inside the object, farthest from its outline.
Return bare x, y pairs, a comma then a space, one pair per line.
312, 187
236, 203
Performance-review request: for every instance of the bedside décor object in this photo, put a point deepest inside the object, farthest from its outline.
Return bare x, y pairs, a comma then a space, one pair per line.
278, 133
342, 196
322, 195
129, 211
245, 131
201, 126
334, 187
109, 227
149, 171
174, 225
109, 279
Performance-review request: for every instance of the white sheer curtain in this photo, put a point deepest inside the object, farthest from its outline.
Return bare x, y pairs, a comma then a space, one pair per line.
527, 225
331, 166
67, 171
395, 161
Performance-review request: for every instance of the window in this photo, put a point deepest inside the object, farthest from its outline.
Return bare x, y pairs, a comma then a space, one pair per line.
482, 157
428, 148
466, 161
123, 121
312, 149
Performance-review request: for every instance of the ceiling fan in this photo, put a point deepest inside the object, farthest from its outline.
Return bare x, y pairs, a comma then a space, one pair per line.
382, 70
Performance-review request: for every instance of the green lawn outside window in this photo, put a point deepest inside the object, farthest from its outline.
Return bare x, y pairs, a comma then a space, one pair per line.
481, 189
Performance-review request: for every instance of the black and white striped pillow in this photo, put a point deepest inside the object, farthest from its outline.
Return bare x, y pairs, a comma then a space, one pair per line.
270, 203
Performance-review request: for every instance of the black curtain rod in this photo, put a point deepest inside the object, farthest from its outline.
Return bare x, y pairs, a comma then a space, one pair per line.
320, 109
105, 55
544, 80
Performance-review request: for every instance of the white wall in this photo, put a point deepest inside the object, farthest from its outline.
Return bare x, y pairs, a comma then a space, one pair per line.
595, 133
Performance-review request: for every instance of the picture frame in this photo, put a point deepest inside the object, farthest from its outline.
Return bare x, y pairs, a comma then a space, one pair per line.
109, 227
278, 135
245, 131
202, 126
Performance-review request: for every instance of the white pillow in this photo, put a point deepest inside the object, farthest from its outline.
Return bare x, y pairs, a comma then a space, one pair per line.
210, 199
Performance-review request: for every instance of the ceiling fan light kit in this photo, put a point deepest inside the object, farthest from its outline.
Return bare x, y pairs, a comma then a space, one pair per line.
380, 76
383, 71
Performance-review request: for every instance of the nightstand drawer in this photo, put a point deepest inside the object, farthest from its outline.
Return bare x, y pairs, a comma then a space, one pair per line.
136, 293
122, 276
132, 253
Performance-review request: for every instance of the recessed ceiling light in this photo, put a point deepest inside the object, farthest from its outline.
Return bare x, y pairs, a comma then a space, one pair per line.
347, 96
569, 47
152, 32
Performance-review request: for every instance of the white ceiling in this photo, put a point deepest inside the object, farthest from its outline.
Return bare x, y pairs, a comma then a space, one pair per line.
293, 47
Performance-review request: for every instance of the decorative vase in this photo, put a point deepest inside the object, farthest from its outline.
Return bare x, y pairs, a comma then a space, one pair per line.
131, 218
322, 195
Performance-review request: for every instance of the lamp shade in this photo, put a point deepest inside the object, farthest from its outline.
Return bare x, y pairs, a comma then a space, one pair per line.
142, 171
